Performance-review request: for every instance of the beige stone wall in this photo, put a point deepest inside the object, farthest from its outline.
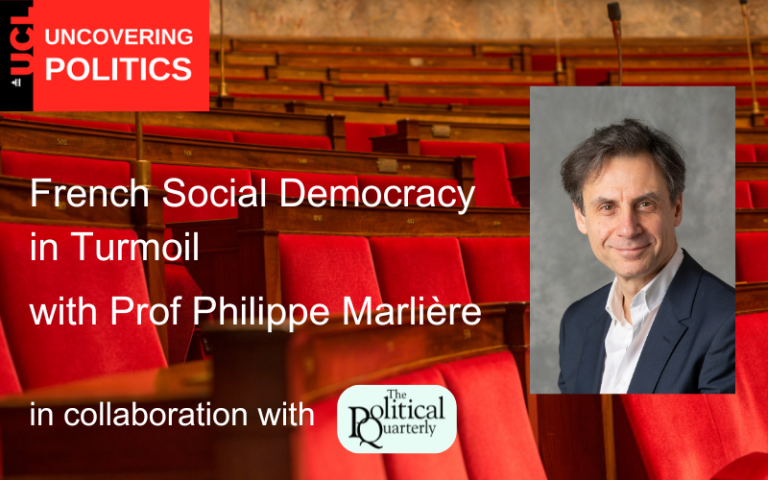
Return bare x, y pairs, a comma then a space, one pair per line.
482, 19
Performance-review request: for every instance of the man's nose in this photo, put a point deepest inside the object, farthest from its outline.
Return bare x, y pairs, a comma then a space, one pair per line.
629, 223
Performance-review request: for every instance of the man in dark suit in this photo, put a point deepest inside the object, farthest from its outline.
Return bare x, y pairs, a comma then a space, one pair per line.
664, 325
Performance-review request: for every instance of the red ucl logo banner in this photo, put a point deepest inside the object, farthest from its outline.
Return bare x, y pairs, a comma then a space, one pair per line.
91, 55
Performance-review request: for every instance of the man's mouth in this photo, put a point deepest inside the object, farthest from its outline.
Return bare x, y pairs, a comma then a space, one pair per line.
631, 251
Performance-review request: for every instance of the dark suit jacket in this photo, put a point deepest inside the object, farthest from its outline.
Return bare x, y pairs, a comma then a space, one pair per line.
691, 347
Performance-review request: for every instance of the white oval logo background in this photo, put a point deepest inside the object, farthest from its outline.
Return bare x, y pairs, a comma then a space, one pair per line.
396, 419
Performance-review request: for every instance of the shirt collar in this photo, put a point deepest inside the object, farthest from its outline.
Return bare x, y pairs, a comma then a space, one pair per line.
652, 294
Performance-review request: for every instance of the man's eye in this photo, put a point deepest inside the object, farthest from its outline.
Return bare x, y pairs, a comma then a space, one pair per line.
607, 208
645, 204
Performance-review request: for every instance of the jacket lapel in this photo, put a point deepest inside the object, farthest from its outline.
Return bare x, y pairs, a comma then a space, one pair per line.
590, 373
667, 329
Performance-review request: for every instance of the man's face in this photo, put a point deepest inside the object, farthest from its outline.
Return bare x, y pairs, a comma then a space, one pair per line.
629, 219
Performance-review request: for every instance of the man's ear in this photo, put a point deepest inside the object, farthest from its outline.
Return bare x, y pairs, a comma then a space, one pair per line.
580, 220
678, 209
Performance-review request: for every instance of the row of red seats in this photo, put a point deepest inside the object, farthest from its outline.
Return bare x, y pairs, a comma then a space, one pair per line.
494, 163
752, 194
489, 102
751, 153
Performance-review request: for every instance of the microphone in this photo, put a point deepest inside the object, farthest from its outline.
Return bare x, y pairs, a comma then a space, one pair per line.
614, 15
755, 105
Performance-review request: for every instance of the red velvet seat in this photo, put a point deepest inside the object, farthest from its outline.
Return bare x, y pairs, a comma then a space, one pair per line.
752, 257
494, 428
384, 181
447, 465
74, 170
9, 380
358, 135
492, 187
518, 156
273, 183
435, 100
761, 153
10, 116
324, 269
745, 154
54, 354
419, 267
118, 127
283, 140
695, 436
178, 282
195, 133
758, 191
743, 195
498, 269
494, 436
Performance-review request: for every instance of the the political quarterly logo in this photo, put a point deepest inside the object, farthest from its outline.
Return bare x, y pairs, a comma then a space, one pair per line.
396, 419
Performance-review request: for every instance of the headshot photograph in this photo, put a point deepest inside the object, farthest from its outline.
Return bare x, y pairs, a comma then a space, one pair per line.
632, 240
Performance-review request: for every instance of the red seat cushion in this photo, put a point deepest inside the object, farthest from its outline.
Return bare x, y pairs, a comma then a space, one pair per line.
324, 269
448, 465
420, 267
435, 100
118, 127
745, 154
322, 457
498, 269
495, 433
273, 183
358, 135
196, 133
205, 177
743, 195
704, 433
752, 257
10, 116
758, 191
492, 187
384, 181
390, 129
178, 282
78, 171
9, 380
518, 157
283, 140
53, 354
761, 153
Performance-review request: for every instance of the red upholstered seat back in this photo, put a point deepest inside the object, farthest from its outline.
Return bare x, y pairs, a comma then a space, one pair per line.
498, 269
48, 355
761, 153
420, 267
752, 257
282, 140
383, 181
518, 157
178, 282
494, 434
118, 127
494, 428
358, 135
448, 465
9, 380
745, 154
61, 169
324, 269
196, 133
205, 177
758, 191
491, 178
743, 195
273, 183
10, 116
703, 433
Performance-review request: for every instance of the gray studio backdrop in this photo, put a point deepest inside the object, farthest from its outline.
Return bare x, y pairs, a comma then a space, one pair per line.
563, 267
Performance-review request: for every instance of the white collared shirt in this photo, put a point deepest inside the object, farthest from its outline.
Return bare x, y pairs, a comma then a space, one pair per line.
625, 341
